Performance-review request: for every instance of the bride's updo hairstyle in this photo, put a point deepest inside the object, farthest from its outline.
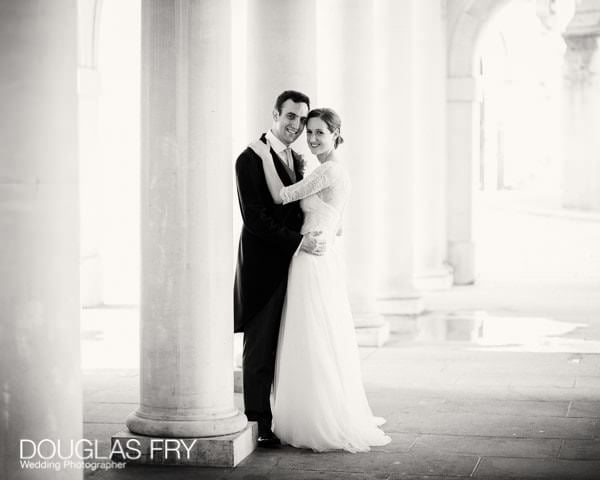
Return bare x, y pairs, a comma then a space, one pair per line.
331, 119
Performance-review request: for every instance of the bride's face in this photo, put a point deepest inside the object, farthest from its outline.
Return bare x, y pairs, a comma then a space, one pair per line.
318, 136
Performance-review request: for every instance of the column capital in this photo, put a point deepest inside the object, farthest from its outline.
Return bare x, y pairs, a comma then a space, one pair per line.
581, 37
585, 21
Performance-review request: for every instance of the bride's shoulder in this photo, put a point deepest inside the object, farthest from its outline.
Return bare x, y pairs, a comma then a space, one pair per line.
338, 169
332, 166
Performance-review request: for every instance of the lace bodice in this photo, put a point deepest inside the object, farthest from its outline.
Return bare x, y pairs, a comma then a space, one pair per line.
323, 196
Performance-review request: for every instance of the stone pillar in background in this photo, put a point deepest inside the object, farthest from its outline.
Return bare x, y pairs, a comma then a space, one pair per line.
186, 309
346, 60
581, 108
431, 269
91, 167
281, 55
39, 227
463, 119
394, 103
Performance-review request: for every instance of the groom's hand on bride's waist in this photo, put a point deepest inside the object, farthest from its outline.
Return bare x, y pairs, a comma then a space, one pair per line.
314, 243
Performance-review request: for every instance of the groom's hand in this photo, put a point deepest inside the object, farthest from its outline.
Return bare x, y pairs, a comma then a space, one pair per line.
314, 244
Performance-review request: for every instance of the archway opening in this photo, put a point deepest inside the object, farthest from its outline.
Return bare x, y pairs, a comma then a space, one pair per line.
520, 226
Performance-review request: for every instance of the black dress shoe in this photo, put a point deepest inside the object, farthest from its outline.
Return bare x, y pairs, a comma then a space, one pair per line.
268, 440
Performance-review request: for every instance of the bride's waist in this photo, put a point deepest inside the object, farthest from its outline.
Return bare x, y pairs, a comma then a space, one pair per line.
332, 247
318, 225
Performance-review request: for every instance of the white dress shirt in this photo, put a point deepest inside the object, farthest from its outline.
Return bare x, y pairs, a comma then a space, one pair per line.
283, 152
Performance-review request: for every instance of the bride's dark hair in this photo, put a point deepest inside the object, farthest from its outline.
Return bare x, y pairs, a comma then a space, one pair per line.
331, 118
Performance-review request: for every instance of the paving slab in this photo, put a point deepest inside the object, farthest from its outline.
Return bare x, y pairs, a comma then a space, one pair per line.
100, 433
550, 393
488, 446
287, 474
401, 442
581, 408
537, 468
143, 472
517, 379
581, 449
491, 406
493, 425
389, 402
108, 412
113, 386
588, 381
381, 462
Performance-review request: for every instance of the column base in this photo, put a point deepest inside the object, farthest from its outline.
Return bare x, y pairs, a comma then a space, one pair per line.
403, 324
441, 278
373, 336
154, 425
410, 304
223, 451
461, 256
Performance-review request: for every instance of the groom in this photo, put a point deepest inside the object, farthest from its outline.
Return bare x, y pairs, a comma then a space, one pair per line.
270, 236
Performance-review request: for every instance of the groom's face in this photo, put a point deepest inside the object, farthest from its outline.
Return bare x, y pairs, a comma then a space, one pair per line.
288, 125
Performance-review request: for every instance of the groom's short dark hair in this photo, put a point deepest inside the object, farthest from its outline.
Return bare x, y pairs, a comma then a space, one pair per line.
294, 96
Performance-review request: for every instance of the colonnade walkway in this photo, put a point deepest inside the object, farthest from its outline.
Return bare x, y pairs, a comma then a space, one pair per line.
477, 387
497, 380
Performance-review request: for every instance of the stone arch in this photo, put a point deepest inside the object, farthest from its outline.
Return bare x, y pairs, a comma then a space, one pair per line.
466, 20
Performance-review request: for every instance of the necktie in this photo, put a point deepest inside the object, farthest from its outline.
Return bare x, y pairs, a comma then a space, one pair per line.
289, 159
290, 163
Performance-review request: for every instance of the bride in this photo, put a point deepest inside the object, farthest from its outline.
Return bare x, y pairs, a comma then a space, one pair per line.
319, 399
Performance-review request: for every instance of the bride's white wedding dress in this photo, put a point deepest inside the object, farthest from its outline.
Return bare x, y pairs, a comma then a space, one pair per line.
319, 399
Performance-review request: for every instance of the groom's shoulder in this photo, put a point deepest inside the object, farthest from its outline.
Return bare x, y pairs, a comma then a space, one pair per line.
248, 154
247, 160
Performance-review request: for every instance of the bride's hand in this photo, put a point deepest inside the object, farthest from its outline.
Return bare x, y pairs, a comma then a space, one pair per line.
261, 149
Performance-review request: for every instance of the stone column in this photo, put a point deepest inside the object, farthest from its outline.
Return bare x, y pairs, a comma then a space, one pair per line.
581, 108
186, 376
431, 270
39, 226
463, 121
89, 12
281, 55
394, 104
346, 48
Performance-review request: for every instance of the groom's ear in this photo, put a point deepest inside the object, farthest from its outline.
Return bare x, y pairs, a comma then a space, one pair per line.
275, 115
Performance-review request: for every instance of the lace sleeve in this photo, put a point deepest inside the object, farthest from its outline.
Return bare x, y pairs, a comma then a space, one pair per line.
319, 179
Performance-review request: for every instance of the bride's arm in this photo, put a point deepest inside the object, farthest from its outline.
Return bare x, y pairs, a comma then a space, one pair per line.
272, 177
320, 178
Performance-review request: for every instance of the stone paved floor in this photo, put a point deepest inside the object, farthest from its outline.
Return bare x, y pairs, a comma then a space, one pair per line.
477, 387
500, 380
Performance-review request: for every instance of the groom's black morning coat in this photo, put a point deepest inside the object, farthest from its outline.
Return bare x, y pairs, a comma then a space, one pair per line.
270, 235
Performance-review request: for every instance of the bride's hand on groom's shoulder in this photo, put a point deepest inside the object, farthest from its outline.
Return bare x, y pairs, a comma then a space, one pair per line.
263, 150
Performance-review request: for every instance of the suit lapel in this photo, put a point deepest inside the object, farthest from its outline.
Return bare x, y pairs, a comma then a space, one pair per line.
298, 165
282, 170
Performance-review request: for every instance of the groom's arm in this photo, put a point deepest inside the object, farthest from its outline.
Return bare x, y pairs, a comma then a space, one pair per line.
255, 212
